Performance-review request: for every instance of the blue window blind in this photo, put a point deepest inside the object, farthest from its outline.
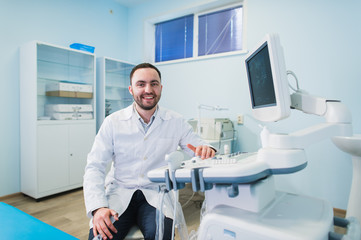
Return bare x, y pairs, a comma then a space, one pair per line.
220, 31
174, 39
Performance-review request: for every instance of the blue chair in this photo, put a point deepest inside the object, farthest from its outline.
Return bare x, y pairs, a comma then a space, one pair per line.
16, 224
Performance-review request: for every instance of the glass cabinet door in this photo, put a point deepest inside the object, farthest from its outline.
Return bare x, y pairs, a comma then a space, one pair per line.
117, 94
65, 83
112, 87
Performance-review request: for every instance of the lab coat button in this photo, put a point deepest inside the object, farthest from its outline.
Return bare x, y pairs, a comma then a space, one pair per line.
145, 158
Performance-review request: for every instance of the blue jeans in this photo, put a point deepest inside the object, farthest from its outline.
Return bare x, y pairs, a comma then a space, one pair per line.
141, 213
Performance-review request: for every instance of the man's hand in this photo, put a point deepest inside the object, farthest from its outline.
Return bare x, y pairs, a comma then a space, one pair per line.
102, 222
202, 151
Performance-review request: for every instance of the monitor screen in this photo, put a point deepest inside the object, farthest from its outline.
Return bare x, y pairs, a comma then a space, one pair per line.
267, 80
261, 81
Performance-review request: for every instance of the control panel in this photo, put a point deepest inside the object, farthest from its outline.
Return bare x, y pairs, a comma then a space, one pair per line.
227, 159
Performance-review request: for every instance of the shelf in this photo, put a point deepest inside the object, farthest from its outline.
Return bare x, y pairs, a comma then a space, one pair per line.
65, 72
66, 64
46, 80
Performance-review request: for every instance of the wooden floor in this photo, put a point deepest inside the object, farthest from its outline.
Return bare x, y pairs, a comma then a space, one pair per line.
67, 211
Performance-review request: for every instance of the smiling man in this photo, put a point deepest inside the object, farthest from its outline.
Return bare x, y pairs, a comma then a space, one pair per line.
146, 89
136, 140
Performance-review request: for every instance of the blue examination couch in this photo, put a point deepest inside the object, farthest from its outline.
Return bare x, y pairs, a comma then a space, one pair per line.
16, 224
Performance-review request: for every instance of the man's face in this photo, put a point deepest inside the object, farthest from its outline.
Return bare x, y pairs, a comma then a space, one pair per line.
146, 88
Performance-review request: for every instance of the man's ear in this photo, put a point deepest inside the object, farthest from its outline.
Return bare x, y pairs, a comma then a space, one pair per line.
130, 90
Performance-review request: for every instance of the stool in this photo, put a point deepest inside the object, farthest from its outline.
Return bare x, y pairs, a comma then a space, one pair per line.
134, 234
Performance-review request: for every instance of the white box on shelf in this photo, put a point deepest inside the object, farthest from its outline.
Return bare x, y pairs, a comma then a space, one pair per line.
71, 116
71, 90
51, 108
71, 87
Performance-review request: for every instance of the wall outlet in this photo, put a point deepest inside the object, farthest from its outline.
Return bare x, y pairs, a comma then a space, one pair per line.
240, 119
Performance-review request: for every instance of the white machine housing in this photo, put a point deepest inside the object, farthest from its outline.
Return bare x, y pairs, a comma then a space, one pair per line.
241, 200
218, 132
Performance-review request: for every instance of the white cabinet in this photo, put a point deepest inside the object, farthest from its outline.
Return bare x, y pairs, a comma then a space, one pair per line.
52, 158
112, 86
57, 123
62, 151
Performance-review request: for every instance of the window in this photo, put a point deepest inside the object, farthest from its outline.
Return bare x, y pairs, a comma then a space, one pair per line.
218, 32
174, 39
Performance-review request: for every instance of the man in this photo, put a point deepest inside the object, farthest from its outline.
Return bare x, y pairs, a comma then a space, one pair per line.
136, 140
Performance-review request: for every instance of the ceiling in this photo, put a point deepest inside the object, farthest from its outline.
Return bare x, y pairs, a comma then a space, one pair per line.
131, 3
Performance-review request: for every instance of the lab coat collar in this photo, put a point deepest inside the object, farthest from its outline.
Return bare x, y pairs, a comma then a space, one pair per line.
162, 114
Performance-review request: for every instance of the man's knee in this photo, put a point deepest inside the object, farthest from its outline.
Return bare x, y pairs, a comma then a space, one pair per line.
150, 232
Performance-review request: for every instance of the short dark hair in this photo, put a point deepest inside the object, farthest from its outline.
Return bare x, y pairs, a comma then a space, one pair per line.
143, 65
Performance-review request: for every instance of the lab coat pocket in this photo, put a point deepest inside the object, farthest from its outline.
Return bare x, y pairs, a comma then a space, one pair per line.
110, 188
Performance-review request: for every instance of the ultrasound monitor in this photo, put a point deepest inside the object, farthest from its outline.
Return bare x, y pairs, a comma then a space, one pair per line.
267, 80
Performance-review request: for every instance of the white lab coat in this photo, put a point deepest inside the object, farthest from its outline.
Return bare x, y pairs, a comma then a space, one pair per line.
122, 139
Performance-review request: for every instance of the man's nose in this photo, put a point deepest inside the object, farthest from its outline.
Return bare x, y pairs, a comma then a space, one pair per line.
148, 88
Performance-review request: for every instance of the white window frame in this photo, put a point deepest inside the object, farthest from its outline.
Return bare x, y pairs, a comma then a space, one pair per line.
197, 10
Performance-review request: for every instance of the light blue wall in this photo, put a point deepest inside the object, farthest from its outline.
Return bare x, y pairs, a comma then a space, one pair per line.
321, 44
320, 40
56, 22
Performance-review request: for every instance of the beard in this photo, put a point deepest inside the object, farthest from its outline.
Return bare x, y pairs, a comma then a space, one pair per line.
147, 107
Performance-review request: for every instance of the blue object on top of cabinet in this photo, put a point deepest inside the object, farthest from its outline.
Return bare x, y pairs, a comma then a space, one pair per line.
82, 47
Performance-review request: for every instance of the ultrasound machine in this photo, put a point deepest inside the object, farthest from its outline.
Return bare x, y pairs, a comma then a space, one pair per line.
241, 201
